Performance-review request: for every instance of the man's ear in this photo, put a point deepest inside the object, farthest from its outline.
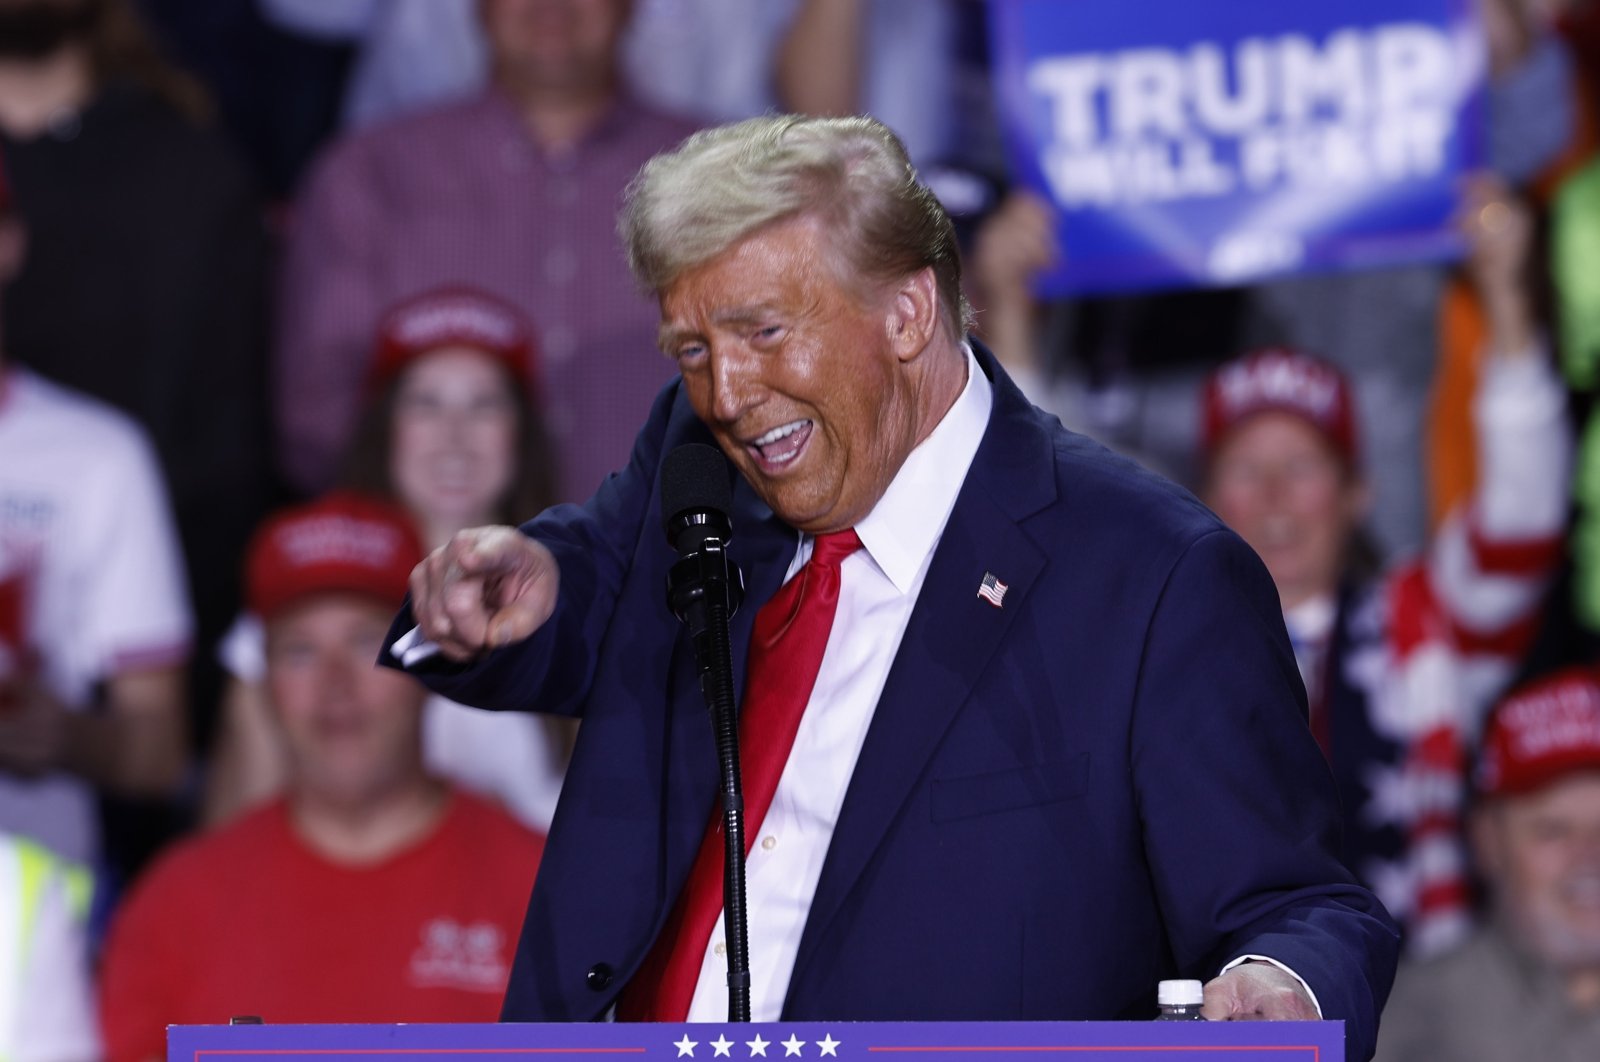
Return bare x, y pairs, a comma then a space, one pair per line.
913, 318
13, 248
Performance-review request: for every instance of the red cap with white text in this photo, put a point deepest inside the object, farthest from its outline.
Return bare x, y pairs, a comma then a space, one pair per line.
1281, 380
456, 316
342, 543
1541, 732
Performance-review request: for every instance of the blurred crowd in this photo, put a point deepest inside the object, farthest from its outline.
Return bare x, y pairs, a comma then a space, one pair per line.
296, 289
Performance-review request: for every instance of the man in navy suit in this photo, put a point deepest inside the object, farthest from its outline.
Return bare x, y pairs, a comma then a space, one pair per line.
1055, 750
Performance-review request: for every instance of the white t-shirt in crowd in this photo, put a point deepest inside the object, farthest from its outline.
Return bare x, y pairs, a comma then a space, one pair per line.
88, 548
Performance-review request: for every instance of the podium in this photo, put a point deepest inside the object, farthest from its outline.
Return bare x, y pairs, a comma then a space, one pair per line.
1067, 1041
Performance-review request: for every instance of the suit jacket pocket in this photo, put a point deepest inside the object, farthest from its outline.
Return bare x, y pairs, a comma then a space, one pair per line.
1019, 787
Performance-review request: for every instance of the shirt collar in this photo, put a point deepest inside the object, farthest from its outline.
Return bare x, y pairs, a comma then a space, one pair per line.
900, 532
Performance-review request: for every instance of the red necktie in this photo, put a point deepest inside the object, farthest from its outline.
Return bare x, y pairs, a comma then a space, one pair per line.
791, 632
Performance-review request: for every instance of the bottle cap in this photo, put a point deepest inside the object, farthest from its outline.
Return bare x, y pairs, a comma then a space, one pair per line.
1179, 994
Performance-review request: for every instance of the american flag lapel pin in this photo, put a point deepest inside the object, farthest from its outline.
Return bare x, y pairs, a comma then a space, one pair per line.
992, 590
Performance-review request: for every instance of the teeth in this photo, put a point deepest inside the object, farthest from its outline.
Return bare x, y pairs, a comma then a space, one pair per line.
778, 433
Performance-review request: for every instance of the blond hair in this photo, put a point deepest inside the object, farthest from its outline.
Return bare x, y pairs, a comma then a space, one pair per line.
688, 205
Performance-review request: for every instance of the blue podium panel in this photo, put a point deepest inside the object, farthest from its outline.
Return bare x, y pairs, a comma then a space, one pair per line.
1092, 1041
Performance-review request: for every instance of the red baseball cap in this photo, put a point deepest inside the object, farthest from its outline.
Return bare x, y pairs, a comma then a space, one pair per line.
1540, 732
343, 542
1283, 380
451, 317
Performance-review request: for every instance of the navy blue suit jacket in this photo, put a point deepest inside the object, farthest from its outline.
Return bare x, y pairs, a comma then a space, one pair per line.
1106, 782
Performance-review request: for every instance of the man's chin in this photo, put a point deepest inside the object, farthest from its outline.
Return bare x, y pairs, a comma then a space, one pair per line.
1565, 946
798, 510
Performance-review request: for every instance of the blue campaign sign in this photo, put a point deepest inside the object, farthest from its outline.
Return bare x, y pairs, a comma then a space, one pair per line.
1187, 142
1084, 1041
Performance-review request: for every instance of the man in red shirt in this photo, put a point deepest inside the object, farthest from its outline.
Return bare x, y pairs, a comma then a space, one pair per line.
370, 892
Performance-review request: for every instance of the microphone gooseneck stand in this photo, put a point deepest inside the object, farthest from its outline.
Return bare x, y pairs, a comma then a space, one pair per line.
704, 590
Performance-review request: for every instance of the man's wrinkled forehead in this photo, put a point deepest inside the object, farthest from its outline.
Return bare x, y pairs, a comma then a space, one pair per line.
770, 272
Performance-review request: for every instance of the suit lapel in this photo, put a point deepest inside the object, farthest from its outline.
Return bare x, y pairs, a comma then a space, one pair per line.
951, 636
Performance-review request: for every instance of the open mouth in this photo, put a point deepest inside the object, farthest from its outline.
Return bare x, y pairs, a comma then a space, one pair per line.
781, 445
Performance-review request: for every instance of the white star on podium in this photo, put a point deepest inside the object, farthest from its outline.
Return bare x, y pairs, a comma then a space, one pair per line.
758, 1046
828, 1044
685, 1046
792, 1045
720, 1047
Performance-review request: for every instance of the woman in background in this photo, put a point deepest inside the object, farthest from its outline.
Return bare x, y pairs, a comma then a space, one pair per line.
451, 431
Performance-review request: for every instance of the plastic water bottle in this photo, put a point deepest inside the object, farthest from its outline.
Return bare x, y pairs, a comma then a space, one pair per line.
1179, 1001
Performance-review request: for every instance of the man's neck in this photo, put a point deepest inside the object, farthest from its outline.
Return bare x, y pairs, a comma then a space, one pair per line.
374, 829
36, 93
558, 119
946, 368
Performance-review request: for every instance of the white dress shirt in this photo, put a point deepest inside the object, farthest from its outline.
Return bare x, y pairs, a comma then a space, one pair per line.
879, 585
878, 589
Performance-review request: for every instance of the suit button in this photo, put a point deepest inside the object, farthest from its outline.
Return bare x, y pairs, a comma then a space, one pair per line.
599, 976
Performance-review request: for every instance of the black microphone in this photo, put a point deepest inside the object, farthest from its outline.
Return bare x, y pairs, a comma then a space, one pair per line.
695, 499
705, 588
695, 496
